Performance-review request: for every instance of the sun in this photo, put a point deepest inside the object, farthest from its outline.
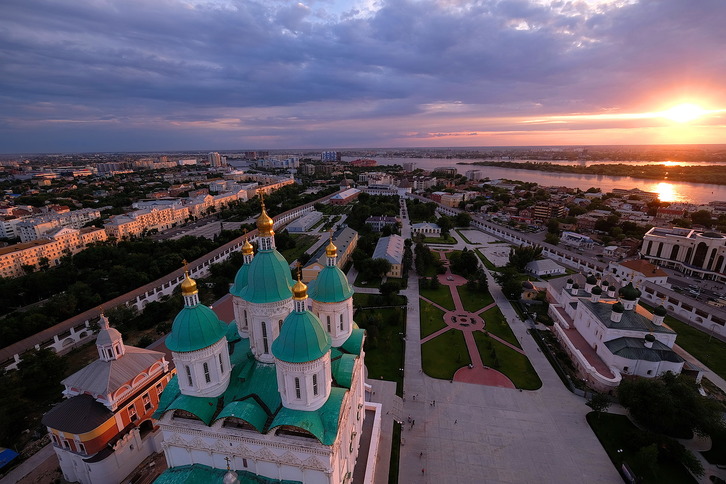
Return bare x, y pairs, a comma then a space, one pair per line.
683, 113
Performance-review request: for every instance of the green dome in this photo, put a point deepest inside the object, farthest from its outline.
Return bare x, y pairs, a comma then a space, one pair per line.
302, 339
660, 311
629, 292
330, 286
194, 328
618, 307
591, 279
268, 278
605, 283
240, 280
596, 290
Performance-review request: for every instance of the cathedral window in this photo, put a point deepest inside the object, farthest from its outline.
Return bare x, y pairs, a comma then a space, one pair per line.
315, 384
109, 353
279, 324
244, 462
328, 324
205, 367
189, 375
221, 365
341, 322
245, 313
297, 388
265, 345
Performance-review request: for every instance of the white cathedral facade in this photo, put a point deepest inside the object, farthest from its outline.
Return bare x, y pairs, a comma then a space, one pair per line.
278, 394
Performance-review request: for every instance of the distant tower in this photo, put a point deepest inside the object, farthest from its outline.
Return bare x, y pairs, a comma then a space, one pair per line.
215, 159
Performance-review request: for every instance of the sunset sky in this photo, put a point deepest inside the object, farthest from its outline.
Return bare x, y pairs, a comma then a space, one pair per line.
147, 75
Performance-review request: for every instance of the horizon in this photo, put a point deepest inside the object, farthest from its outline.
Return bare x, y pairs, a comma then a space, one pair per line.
133, 76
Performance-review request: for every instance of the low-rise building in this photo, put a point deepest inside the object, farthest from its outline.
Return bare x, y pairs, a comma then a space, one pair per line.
695, 252
391, 248
304, 223
428, 229
345, 197
378, 222
345, 239
103, 429
544, 267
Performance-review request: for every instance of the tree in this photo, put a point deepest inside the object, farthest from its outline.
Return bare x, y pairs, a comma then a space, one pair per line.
599, 403
671, 405
552, 239
446, 224
702, 217
520, 256
379, 267
462, 219
507, 278
389, 289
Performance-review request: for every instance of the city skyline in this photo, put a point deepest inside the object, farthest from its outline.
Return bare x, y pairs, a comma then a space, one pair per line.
226, 74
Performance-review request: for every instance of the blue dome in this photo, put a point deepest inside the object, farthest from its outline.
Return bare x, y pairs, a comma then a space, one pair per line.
194, 328
268, 278
240, 280
330, 286
302, 339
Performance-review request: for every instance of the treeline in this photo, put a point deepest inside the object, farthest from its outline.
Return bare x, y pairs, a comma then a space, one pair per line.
39, 300
715, 174
371, 206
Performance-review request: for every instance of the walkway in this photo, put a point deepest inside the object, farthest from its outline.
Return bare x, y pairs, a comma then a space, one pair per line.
478, 433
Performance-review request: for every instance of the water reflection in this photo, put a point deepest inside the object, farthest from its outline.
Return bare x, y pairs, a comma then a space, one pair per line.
667, 193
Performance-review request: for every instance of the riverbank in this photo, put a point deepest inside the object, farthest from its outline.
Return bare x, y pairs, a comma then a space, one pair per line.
713, 174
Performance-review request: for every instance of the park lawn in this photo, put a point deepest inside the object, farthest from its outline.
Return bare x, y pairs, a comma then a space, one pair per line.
360, 281
617, 432
440, 240
363, 301
496, 323
302, 243
431, 317
445, 354
474, 301
709, 351
487, 263
384, 351
511, 363
441, 296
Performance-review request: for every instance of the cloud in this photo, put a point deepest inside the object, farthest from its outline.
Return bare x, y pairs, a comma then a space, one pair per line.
282, 67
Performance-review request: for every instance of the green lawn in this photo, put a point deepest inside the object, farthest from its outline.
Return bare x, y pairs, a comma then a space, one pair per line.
709, 351
360, 281
441, 296
496, 323
440, 240
442, 356
432, 318
513, 364
302, 243
363, 301
384, 344
473, 301
487, 263
617, 432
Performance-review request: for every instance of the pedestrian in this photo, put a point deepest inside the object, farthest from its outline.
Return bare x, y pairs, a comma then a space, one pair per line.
434, 403
420, 455
423, 471
414, 398
455, 421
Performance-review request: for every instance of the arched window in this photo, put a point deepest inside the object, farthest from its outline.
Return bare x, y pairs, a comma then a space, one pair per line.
328, 318
297, 388
279, 324
189, 375
341, 322
265, 345
221, 365
207, 378
315, 384
245, 313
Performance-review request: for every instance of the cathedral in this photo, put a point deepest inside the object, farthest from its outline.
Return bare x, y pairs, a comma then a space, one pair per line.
276, 396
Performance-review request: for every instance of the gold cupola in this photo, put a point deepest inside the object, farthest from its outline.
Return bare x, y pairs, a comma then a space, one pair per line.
265, 224
299, 290
331, 250
247, 248
188, 285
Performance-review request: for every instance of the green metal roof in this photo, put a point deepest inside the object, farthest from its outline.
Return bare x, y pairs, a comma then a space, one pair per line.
342, 370
631, 320
354, 343
240, 280
330, 286
232, 333
194, 328
268, 278
322, 423
248, 410
203, 408
302, 338
634, 349
201, 474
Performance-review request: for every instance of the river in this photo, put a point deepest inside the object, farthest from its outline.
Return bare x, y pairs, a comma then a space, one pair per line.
699, 193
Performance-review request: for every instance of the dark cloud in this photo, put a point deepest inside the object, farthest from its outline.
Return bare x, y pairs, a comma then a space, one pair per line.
229, 74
